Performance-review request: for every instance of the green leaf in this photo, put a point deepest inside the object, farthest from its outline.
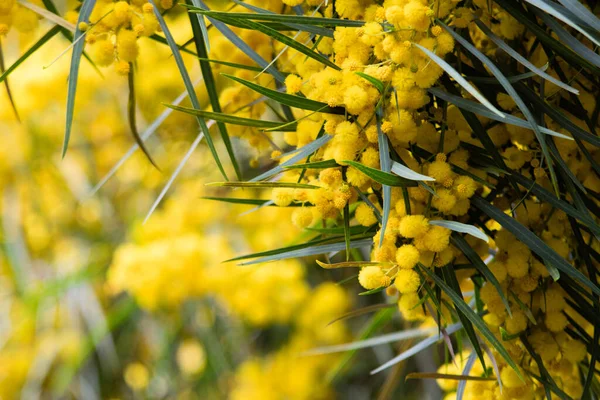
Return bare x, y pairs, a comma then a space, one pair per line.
478, 109
373, 81
460, 243
408, 173
232, 119
382, 177
243, 46
202, 47
522, 60
313, 250
564, 121
84, 15
6, 84
450, 278
246, 23
386, 164
317, 30
460, 227
262, 185
549, 9
289, 99
282, 18
188, 85
131, 115
582, 13
232, 65
517, 11
301, 153
532, 241
475, 319
513, 94
233, 200
314, 165
347, 230
372, 291
162, 40
459, 79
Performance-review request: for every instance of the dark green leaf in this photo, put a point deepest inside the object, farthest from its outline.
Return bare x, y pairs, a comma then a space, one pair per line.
382, 177
188, 85
84, 15
314, 165
232, 119
202, 47
532, 241
289, 99
475, 319
131, 115
373, 81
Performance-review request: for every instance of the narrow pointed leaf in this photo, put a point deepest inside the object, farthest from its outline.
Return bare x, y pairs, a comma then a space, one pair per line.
462, 228
381, 177
280, 37
302, 153
314, 165
417, 348
548, 8
313, 251
373, 81
513, 94
408, 173
460, 243
478, 109
84, 15
532, 241
286, 19
232, 119
131, 115
188, 84
475, 319
522, 60
262, 185
459, 79
202, 48
289, 99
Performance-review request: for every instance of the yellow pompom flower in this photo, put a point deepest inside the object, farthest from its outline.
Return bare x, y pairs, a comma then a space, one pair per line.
444, 201
103, 52
372, 278
556, 321
293, 84
407, 256
302, 217
437, 238
510, 379
440, 170
365, 215
127, 47
282, 197
410, 306
516, 324
464, 187
407, 281
412, 226
122, 67
355, 99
